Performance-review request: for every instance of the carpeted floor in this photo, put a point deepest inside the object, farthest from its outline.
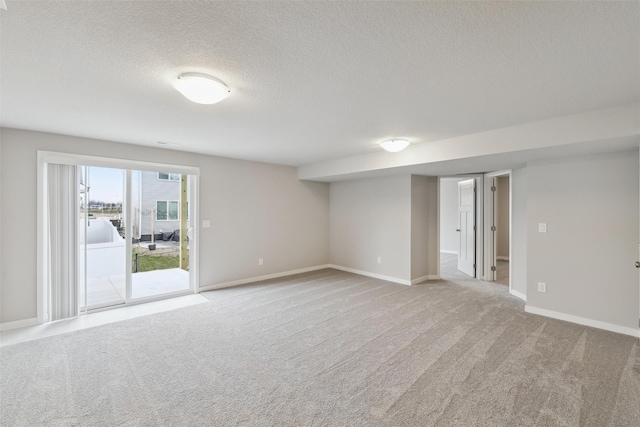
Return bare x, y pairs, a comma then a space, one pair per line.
329, 348
449, 269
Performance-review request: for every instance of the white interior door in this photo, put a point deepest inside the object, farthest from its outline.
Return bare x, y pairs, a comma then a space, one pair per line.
466, 230
492, 243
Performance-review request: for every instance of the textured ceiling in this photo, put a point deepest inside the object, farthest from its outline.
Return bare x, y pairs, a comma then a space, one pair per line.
311, 81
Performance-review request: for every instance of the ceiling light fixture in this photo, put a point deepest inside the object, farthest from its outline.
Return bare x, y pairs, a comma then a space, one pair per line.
201, 88
394, 145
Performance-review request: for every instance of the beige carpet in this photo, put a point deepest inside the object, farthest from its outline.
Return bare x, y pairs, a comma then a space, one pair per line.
329, 348
449, 269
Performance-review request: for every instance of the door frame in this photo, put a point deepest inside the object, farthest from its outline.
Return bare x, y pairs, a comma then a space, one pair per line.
479, 184
465, 232
490, 212
45, 157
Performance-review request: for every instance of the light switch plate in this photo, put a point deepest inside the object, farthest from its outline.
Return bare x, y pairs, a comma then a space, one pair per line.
542, 227
206, 223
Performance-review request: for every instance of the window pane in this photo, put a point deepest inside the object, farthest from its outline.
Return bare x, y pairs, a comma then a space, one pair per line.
161, 212
162, 175
173, 211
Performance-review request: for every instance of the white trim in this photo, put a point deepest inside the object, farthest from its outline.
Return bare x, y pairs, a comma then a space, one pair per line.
369, 274
194, 249
111, 162
97, 319
128, 212
502, 258
261, 278
42, 296
443, 251
425, 278
520, 295
7, 326
438, 219
634, 332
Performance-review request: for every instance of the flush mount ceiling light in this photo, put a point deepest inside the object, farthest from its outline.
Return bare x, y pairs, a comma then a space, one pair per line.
394, 145
201, 88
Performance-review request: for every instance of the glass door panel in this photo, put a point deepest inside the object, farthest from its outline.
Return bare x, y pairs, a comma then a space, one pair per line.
102, 237
159, 253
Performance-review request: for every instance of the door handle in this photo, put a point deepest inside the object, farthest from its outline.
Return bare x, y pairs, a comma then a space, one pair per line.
637, 264
457, 229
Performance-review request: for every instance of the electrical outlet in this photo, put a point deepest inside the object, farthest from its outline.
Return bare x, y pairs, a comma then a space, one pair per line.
542, 287
379, 260
260, 261
542, 227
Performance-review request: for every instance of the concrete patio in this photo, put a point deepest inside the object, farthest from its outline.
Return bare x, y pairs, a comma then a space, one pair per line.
110, 290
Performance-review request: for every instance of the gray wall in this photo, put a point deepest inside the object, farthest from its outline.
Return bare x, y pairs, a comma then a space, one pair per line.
449, 238
424, 227
590, 206
256, 210
371, 218
502, 217
518, 261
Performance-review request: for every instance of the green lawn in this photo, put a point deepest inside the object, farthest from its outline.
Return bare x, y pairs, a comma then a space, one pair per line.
157, 261
162, 262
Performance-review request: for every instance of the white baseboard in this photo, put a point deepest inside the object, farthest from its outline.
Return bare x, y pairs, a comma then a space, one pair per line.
442, 251
520, 295
502, 258
424, 278
583, 321
369, 274
261, 278
7, 326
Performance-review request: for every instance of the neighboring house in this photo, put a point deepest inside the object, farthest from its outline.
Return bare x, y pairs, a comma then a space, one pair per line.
156, 200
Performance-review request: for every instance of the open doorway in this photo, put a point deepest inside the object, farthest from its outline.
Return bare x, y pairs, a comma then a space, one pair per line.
503, 227
492, 223
498, 227
460, 231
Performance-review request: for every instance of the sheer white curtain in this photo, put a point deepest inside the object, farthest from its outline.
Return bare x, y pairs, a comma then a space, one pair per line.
62, 234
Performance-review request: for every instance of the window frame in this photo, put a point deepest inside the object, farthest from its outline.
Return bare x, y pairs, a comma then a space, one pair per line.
171, 177
168, 202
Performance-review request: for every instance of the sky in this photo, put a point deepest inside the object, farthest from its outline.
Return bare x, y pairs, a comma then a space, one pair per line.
105, 184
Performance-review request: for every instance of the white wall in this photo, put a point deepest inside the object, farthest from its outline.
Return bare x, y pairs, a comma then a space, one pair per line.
502, 217
449, 237
587, 255
424, 227
371, 218
256, 210
1, 230
518, 261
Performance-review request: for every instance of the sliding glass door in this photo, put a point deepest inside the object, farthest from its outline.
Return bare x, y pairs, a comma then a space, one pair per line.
160, 233
134, 236
113, 232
